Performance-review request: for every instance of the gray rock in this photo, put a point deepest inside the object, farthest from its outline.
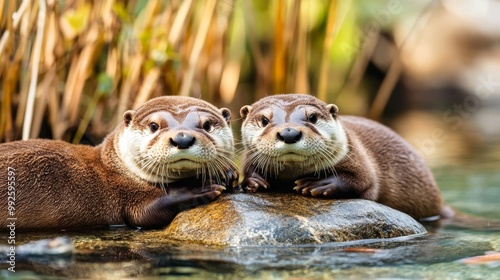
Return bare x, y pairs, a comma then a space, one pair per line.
288, 219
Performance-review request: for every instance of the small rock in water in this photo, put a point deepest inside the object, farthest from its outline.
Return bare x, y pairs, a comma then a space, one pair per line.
288, 219
44, 248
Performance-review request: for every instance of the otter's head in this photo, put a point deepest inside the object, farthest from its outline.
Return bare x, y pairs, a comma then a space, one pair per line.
171, 138
286, 136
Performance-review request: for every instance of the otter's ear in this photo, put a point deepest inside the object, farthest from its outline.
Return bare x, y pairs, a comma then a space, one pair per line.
245, 110
127, 117
226, 114
333, 109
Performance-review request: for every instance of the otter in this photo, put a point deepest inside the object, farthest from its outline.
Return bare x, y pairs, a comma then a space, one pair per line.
297, 140
170, 154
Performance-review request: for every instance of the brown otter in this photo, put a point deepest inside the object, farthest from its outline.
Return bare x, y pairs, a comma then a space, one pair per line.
170, 154
298, 139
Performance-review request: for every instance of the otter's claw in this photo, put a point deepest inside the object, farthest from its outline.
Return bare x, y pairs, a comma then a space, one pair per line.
255, 183
316, 187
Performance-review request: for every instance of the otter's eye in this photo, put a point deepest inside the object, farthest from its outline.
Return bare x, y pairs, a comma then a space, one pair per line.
264, 121
207, 126
313, 118
153, 127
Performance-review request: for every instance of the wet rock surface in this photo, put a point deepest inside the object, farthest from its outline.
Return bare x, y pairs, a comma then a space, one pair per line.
288, 219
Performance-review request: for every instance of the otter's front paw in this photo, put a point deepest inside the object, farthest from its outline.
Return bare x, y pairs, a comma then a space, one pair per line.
207, 195
254, 183
316, 187
162, 211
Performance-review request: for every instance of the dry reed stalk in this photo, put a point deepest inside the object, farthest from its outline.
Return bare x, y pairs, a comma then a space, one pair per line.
10, 67
57, 124
132, 81
145, 18
22, 58
291, 25
216, 55
227, 56
6, 101
279, 65
21, 96
201, 35
128, 69
16, 18
179, 23
69, 85
229, 80
385, 90
86, 60
290, 42
147, 87
396, 67
6, 116
164, 19
234, 55
159, 44
82, 64
259, 61
42, 11
84, 123
128, 66
2, 4
128, 85
5, 122
3, 40
13, 76
51, 40
327, 45
106, 15
112, 68
43, 90
301, 76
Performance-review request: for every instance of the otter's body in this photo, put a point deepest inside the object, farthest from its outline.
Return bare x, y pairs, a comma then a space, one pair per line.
54, 184
298, 139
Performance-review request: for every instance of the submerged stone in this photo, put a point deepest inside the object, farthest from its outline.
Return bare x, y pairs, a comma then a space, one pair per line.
288, 219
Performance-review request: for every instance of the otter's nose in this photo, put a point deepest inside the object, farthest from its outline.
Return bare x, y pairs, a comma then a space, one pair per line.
289, 135
182, 140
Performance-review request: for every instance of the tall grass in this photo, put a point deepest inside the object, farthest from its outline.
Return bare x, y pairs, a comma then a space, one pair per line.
74, 66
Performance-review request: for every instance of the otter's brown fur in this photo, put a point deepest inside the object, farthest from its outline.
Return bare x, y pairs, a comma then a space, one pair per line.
349, 157
57, 184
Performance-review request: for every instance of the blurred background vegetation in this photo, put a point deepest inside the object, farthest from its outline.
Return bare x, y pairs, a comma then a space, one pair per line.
429, 69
